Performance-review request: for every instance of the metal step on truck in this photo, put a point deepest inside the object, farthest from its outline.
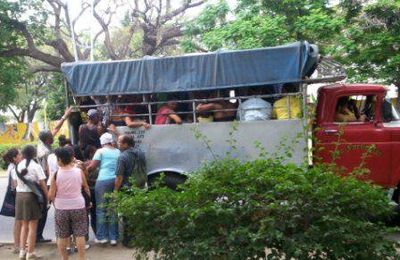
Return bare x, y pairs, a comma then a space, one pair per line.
238, 102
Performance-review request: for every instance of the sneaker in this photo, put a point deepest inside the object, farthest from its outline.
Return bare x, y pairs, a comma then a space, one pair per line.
87, 246
22, 254
69, 250
32, 256
101, 241
43, 240
113, 242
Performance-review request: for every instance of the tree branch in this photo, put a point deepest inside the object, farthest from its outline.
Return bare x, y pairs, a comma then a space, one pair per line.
62, 48
43, 68
31, 51
107, 38
14, 52
187, 5
13, 112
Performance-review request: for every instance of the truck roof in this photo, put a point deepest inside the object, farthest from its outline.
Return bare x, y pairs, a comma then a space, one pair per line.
290, 63
352, 88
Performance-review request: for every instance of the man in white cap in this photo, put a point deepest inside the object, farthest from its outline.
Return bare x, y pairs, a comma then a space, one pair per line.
106, 159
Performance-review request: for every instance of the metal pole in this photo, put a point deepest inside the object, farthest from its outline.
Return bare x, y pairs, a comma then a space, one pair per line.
194, 111
66, 93
92, 34
303, 89
71, 26
72, 135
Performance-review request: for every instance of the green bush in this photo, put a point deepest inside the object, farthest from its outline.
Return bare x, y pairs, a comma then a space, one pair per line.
234, 210
5, 147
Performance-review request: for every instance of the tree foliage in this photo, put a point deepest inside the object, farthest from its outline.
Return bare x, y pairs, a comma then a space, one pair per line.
9, 79
363, 35
370, 45
260, 24
56, 98
43, 30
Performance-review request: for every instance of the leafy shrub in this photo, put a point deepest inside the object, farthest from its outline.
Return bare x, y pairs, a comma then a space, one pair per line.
234, 210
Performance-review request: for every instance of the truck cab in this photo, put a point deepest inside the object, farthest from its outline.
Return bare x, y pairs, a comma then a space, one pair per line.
370, 142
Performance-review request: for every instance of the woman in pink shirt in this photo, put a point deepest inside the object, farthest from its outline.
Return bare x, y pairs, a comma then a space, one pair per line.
66, 193
167, 115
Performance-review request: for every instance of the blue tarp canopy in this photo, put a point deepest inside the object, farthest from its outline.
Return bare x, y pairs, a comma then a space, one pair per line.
216, 70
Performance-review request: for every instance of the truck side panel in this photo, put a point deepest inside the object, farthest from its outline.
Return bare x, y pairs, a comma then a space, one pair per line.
176, 147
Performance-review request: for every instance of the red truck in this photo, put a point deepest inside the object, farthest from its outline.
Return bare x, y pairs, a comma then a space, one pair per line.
376, 135
173, 149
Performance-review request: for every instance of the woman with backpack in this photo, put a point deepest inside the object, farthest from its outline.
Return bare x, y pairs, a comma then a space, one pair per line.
30, 180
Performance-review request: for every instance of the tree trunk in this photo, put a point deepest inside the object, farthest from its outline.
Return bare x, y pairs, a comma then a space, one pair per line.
28, 136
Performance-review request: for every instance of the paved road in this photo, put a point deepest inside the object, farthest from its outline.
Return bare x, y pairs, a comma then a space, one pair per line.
6, 223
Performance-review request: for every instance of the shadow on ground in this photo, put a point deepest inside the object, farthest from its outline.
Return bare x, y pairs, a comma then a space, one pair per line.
96, 252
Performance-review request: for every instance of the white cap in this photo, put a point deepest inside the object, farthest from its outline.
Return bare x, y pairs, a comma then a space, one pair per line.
92, 112
106, 138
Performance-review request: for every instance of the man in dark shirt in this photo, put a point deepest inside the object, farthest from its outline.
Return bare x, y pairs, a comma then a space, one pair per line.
89, 135
131, 162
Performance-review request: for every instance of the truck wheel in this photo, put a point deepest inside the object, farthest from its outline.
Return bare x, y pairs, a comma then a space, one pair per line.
171, 180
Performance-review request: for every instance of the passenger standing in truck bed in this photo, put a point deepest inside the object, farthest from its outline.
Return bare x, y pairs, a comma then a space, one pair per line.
287, 107
222, 110
254, 108
167, 115
134, 117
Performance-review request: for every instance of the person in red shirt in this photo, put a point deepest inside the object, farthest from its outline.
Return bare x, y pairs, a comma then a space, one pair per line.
167, 115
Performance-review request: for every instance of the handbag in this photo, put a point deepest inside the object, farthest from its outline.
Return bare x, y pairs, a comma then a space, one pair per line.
8, 208
87, 198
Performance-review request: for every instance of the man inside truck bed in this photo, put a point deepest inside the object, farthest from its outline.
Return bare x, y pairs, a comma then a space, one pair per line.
135, 117
222, 110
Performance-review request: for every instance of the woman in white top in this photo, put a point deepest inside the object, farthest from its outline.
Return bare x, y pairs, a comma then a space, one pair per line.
27, 208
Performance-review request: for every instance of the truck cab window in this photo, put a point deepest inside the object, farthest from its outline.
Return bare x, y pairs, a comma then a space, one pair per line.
355, 109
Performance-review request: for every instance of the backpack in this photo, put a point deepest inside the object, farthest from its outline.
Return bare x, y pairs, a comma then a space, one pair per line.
139, 172
35, 188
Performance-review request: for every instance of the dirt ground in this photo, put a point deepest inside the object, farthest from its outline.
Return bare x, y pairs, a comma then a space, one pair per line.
96, 252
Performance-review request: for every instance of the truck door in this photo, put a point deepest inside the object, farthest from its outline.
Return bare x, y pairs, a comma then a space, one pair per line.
356, 140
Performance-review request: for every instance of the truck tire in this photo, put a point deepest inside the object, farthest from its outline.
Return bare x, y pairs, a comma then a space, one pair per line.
171, 179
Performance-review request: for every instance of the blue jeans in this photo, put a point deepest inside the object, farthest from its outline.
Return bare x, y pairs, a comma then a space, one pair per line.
106, 218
